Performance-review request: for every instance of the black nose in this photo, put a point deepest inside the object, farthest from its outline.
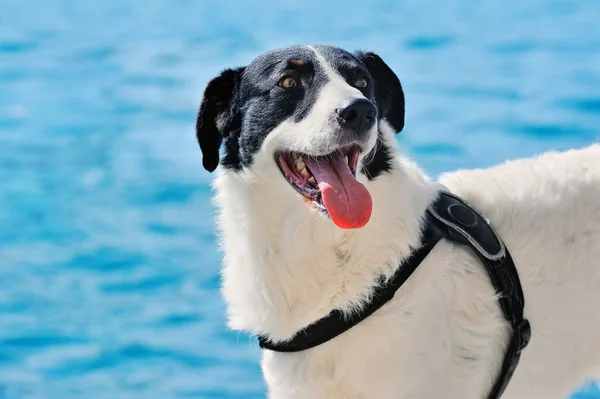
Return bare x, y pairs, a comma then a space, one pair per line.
359, 115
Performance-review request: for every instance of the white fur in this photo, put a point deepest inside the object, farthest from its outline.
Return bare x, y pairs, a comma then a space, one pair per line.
443, 335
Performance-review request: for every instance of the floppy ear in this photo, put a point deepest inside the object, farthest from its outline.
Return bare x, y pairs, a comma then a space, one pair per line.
217, 115
388, 90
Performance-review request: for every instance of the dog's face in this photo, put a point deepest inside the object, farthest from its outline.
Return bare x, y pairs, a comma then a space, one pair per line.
307, 114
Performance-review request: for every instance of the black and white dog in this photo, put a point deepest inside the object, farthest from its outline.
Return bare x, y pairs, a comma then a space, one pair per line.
315, 206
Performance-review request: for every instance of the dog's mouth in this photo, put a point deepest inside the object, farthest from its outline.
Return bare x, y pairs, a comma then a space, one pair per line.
329, 184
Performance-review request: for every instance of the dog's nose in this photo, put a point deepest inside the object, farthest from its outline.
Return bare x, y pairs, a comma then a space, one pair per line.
359, 115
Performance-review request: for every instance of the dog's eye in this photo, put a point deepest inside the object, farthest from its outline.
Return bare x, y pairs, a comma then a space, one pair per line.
288, 82
361, 83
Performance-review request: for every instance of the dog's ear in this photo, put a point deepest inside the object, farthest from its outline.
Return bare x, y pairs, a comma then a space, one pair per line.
217, 115
388, 90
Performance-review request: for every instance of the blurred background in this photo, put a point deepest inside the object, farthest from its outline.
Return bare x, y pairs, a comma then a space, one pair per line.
108, 266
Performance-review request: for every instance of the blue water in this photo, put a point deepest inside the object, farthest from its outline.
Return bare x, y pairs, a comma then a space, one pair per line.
108, 267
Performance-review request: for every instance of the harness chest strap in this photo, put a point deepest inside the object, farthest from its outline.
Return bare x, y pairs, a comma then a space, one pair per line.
452, 219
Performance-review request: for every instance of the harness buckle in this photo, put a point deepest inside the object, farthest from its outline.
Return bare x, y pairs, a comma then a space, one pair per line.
524, 331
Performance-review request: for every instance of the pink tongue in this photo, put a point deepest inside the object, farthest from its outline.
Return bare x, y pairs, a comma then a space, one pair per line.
348, 202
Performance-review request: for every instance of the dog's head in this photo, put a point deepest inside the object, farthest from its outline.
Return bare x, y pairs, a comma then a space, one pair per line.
307, 115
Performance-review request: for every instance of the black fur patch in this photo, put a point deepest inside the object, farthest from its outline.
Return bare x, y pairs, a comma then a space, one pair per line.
388, 90
379, 162
218, 116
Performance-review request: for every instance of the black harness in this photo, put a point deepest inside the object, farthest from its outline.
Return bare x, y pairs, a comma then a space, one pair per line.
454, 220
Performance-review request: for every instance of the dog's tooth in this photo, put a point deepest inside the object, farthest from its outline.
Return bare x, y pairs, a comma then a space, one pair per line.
312, 180
346, 158
300, 164
304, 172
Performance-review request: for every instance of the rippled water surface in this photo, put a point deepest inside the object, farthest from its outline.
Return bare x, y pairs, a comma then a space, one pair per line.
108, 267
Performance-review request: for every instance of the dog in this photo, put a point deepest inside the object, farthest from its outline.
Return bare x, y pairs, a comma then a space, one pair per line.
315, 204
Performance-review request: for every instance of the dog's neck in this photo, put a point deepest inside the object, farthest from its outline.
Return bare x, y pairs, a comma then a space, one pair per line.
286, 267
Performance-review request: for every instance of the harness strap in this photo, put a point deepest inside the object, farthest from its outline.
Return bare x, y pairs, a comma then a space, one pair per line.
463, 225
336, 322
452, 219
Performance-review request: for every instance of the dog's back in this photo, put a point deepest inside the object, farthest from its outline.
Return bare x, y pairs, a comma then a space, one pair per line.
547, 210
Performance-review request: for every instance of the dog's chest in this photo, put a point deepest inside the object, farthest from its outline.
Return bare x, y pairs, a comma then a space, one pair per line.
431, 325
358, 367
